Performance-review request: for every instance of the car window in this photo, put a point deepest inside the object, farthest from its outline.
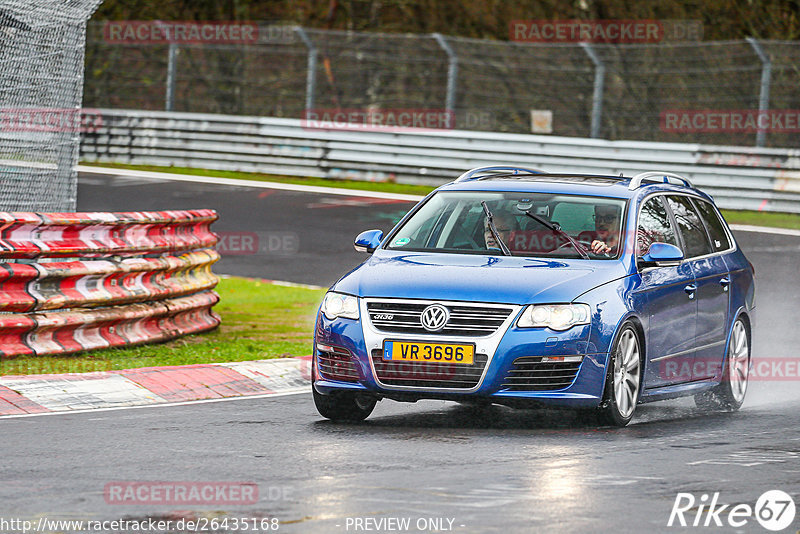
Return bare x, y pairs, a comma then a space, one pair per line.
419, 232
575, 217
455, 222
654, 226
714, 225
695, 239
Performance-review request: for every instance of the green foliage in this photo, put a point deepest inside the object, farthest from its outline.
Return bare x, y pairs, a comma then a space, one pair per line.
490, 19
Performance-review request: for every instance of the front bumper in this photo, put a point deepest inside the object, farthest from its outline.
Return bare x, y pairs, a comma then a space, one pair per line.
359, 342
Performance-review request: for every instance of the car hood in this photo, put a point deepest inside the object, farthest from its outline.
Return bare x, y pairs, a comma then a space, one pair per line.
479, 278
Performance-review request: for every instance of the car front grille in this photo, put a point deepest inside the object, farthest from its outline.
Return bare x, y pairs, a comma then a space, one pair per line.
427, 374
336, 363
530, 373
404, 317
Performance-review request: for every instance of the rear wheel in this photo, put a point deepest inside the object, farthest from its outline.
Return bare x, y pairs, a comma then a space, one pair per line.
345, 407
623, 380
729, 394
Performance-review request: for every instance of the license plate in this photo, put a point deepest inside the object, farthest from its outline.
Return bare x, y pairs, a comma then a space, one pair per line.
410, 351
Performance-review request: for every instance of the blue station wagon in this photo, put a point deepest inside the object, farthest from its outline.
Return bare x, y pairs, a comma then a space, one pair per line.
519, 287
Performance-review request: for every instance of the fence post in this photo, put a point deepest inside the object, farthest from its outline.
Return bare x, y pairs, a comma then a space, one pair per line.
171, 60
763, 97
452, 74
311, 75
597, 97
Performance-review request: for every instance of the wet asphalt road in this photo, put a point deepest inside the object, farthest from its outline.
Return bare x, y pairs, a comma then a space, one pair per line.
496, 470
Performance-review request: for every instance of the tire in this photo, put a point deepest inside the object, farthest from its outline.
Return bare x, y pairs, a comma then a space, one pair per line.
623, 379
344, 407
729, 395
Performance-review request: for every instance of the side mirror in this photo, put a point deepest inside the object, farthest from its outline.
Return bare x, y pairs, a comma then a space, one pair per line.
368, 241
662, 255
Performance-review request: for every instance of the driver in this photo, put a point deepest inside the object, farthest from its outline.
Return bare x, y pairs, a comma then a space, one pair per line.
607, 225
504, 227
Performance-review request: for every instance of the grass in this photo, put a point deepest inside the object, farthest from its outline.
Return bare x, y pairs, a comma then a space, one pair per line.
761, 218
756, 218
259, 321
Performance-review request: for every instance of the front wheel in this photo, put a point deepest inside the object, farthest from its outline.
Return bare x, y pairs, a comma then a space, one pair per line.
729, 394
345, 407
623, 380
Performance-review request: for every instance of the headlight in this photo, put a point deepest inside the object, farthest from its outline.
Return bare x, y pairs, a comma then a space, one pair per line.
338, 305
554, 316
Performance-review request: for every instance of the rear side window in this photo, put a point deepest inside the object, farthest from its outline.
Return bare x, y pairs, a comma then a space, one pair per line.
715, 226
695, 239
654, 226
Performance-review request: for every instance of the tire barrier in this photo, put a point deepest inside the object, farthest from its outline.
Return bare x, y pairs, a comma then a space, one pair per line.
90, 235
71, 282
58, 285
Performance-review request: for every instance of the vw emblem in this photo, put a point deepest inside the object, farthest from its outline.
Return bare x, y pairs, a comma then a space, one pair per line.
434, 317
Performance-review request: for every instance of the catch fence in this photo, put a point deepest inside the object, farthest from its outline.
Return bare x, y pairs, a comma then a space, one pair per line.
609, 91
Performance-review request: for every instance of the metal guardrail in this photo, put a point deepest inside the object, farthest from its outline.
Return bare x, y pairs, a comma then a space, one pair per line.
738, 177
71, 282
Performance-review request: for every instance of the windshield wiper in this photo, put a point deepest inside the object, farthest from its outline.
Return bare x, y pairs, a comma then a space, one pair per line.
557, 229
493, 229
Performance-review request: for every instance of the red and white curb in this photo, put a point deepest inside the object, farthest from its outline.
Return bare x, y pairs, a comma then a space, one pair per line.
40, 394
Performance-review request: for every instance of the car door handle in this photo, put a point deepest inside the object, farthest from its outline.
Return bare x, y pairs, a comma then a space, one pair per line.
690, 290
725, 283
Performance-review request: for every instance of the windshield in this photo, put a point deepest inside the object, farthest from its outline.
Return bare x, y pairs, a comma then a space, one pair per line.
456, 222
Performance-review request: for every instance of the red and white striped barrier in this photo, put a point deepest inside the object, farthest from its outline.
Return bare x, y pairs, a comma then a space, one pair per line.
97, 234
14, 281
13, 329
113, 298
59, 285
68, 331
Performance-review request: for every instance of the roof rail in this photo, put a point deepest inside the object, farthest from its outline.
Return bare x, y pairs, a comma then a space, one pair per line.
637, 180
471, 174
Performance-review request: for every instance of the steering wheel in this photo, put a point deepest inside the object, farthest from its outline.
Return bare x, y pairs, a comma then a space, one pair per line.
584, 242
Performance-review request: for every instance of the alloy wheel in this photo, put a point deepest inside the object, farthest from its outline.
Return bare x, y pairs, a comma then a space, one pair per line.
626, 373
738, 362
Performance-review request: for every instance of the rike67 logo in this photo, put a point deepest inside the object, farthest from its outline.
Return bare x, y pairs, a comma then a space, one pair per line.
774, 510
